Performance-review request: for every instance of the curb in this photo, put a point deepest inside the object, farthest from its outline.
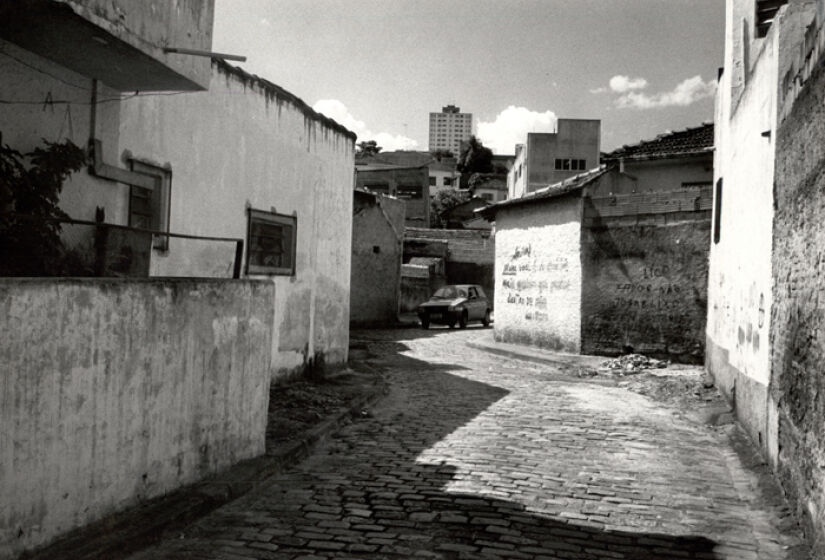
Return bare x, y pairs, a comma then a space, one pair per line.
564, 364
516, 355
139, 527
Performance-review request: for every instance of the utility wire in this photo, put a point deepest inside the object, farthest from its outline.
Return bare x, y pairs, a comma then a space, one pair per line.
24, 63
107, 100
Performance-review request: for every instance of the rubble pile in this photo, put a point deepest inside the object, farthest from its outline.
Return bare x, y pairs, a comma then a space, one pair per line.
633, 363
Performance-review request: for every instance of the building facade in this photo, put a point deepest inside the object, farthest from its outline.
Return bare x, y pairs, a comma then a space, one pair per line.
614, 259
449, 129
550, 157
410, 184
240, 163
764, 307
377, 249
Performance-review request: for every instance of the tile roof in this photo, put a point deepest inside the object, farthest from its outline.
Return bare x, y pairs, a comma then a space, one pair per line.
695, 140
572, 184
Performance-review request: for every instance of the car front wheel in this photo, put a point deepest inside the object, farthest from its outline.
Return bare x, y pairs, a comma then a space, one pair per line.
462, 321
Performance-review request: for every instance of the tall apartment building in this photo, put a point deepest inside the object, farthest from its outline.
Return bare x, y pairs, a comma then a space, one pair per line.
449, 128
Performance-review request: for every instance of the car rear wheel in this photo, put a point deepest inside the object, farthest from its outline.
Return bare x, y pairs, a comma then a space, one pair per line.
486, 320
462, 321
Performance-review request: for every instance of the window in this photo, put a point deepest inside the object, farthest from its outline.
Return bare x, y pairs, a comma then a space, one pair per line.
433, 181
408, 191
571, 164
448, 181
271, 243
149, 208
717, 212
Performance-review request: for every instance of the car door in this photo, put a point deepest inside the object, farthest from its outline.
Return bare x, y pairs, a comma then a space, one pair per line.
474, 304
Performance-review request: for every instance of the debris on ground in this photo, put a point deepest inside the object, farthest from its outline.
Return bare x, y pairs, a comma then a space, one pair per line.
298, 405
633, 363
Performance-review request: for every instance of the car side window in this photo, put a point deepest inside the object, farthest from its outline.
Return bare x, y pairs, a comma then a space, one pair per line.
481, 293
473, 293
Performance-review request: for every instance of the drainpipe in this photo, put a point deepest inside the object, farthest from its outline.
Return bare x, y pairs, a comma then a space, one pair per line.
98, 167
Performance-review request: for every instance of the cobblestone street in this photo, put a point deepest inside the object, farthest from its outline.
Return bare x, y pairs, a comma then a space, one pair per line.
473, 455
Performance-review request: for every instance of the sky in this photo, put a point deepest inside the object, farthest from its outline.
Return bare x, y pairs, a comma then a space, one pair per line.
379, 67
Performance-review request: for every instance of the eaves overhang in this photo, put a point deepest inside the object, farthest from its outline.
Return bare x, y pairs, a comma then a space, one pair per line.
572, 185
73, 34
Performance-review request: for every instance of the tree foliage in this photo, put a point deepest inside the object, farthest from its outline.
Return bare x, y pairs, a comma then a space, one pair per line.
475, 158
442, 154
443, 201
30, 186
367, 148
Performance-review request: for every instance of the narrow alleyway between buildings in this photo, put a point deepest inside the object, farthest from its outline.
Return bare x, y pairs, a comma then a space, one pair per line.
475, 455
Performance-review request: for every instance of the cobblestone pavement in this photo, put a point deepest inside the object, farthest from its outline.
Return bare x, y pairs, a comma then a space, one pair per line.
477, 456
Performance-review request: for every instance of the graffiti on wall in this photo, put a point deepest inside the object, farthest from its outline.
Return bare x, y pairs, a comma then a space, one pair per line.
528, 280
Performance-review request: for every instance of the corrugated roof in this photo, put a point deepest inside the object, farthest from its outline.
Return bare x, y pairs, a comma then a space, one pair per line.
695, 140
572, 184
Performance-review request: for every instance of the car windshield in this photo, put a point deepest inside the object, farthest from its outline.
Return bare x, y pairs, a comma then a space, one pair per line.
449, 292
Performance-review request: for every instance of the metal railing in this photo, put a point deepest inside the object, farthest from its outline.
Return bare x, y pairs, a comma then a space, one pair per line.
104, 227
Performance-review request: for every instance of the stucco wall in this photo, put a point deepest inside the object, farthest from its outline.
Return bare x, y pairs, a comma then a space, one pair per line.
151, 25
117, 391
739, 278
25, 125
389, 180
575, 138
242, 145
798, 326
377, 245
538, 274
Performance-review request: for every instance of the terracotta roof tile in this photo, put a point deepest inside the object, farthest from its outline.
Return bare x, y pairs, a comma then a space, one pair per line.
694, 140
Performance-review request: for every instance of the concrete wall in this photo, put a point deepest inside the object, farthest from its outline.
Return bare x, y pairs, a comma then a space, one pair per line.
244, 143
740, 295
517, 174
574, 138
797, 324
263, 149
645, 286
377, 247
115, 391
389, 181
150, 25
538, 274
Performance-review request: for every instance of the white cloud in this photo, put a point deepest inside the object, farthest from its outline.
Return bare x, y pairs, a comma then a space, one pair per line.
265, 22
337, 111
686, 93
511, 126
623, 84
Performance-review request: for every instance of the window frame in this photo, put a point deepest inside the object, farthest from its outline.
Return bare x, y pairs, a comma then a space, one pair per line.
160, 200
277, 219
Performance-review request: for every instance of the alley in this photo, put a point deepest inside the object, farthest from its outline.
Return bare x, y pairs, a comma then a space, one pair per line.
472, 455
